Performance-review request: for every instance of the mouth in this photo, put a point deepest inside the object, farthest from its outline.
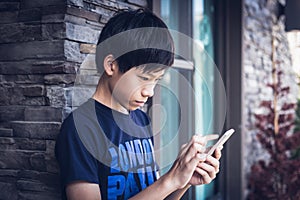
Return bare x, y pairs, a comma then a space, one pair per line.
140, 103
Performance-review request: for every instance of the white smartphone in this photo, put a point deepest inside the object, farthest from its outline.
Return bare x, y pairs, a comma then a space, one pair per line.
221, 141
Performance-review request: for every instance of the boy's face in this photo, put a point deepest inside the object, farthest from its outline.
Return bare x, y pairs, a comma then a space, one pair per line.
131, 90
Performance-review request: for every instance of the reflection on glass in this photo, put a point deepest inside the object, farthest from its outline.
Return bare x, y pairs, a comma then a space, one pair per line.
204, 84
199, 119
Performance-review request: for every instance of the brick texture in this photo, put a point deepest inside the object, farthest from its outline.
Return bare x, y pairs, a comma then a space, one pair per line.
259, 20
42, 47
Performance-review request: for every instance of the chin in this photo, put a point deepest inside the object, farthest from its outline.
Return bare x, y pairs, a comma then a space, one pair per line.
133, 108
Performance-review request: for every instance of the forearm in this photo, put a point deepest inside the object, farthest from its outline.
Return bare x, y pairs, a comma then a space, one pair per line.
160, 189
178, 193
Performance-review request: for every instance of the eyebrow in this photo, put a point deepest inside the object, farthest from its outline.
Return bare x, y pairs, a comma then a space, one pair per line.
150, 73
153, 76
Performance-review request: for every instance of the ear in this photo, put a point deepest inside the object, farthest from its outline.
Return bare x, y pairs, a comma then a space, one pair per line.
110, 66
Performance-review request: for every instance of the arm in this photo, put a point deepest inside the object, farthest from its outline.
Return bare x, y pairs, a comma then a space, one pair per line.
83, 190
209, 174
177, 180
172, 185
178, 193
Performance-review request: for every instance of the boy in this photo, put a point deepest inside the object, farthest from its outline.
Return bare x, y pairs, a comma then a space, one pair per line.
105, 148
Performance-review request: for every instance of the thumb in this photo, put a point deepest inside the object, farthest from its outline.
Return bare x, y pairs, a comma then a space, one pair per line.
200, 157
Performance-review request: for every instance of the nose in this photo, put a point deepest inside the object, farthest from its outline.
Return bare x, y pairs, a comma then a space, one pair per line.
148, 90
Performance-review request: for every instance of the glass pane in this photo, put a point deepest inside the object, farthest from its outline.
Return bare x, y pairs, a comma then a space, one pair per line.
169, 122
170, 94
170, 15
178, 112
204, 78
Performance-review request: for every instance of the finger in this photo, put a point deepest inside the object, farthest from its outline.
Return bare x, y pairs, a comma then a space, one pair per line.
195, 139
199, 139
215, 163
211, 137
203, 140
218, 153
195, 149
210, 170
199, 158
192, 164
183, 149
183, 146
204, 176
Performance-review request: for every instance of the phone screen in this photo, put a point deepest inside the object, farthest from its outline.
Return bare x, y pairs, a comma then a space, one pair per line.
221, 141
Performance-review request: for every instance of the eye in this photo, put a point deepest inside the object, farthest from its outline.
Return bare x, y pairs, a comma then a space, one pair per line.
159, 79
143, 78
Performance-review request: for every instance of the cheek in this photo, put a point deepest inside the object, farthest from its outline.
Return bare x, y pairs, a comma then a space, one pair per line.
125, 89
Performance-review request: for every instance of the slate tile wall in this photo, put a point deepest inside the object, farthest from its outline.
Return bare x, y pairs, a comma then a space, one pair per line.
42, 46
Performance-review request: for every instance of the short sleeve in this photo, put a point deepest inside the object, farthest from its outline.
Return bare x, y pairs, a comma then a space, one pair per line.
75, 162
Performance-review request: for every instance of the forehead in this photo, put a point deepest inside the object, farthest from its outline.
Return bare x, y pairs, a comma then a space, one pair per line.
150, 71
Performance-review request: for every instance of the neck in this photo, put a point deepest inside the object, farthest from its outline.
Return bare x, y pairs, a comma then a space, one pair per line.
103, 94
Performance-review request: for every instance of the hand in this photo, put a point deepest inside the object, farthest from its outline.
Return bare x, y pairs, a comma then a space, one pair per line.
206, 171
218, 152
188, 159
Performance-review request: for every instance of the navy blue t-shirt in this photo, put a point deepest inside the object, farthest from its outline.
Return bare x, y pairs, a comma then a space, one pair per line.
99, 145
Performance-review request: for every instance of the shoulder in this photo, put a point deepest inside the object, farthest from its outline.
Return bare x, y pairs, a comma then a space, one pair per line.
85, 114
73, 136
74, 121
82, 111
68, 122
67, 136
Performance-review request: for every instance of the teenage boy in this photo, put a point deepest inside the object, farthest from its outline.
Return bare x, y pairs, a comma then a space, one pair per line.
105, 147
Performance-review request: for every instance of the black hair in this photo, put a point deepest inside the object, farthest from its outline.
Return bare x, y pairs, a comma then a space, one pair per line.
150, 42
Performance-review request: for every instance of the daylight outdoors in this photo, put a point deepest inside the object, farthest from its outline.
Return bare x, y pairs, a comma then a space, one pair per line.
237, 65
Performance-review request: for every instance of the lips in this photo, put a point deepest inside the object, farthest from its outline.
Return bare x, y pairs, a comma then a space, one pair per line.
140, 103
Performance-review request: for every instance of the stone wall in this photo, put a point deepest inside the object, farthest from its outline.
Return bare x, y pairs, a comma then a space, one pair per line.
42, 46
259, 20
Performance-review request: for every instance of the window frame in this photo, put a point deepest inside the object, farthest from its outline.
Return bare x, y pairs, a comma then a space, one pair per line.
228, 42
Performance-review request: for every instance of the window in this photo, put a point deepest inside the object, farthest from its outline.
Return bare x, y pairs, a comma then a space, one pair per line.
184, 100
